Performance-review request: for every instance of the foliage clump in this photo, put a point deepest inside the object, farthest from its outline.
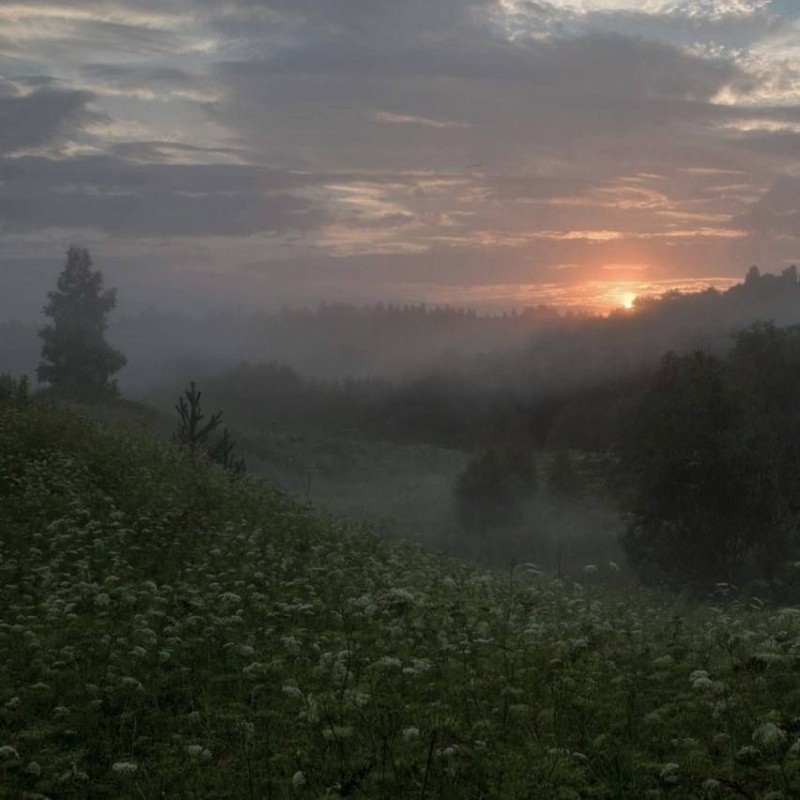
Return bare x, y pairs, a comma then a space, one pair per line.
713, 465
14, 392
489, 494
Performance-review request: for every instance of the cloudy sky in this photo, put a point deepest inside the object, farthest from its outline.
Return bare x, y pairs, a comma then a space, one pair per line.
493, 153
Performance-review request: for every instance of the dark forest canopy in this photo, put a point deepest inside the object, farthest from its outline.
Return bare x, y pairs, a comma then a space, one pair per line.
711, 458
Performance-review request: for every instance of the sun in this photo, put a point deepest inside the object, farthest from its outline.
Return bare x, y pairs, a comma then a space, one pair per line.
628, 299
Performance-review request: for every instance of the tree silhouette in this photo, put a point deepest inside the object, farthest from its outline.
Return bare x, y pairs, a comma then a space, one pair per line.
76, 359
490, 491
193, 433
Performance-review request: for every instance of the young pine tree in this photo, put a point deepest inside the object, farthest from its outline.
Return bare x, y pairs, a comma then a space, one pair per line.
195, 434
76, 359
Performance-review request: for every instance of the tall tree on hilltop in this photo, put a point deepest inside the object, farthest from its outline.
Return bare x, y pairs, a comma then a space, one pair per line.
77, 361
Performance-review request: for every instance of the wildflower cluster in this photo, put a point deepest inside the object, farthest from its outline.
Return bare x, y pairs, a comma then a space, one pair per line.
165, 632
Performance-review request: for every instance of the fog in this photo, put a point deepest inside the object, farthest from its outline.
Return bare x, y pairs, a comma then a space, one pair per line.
374, 411
535, 351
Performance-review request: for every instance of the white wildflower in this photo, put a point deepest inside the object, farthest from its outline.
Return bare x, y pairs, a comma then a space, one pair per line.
292, 644
669, 773
747, 754
700, 680
124, 767
6, 751
198, 751
298, 780
769, 736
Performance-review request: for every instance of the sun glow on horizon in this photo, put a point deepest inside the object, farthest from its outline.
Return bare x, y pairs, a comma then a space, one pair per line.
628, 299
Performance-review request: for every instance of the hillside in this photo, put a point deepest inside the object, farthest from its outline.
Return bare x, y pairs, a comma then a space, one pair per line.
165, 631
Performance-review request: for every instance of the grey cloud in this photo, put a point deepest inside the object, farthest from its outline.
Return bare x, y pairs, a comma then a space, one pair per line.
148, 214
605, 65
128, 199
43, 117
502, 188
104, 174
391, 21
777, 212
137, 76
387, 221
515, 98
776, 146
95, 39
618, 66
165, 152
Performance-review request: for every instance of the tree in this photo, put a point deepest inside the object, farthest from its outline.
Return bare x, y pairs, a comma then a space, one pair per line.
77, 361
194, 434
489, 493
713, 461
685, 457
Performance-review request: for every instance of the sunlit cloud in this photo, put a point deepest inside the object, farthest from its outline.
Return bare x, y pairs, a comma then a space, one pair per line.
591, 296
407, 119
625, 267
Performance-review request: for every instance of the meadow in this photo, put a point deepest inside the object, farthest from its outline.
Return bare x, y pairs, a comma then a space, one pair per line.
168, 632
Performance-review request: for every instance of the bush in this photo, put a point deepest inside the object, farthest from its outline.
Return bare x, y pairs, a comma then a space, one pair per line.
489, 493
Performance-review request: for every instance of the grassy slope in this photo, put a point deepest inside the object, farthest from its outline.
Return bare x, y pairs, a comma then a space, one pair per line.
165, 632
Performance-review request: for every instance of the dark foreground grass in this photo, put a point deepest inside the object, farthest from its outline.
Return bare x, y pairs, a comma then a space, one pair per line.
166, 632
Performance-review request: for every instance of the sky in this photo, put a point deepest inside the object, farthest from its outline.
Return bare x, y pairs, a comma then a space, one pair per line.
491, 153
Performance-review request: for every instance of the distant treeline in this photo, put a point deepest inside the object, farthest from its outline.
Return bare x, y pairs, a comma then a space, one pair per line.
535, 350
571, 383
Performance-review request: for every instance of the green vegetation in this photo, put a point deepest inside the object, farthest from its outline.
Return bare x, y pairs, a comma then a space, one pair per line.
77, 361
713, 467
195, 435
402, 490
490, 492
166, 631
